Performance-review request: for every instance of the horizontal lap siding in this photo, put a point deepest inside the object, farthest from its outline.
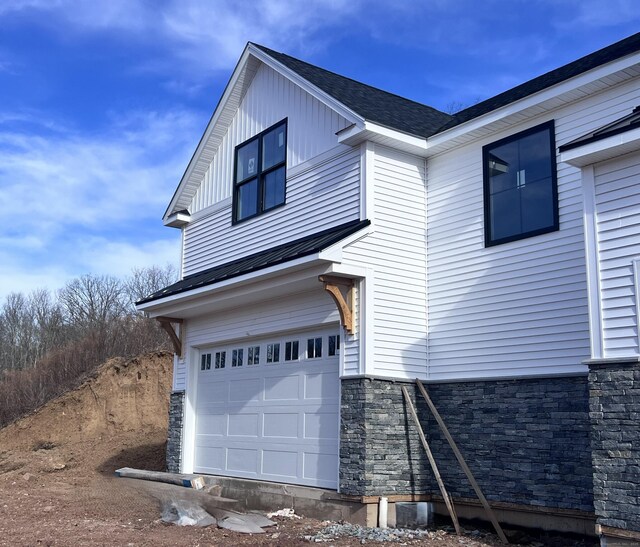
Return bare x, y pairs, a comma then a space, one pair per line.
519, 308
618, 224
271, 97
395, 251
318, 197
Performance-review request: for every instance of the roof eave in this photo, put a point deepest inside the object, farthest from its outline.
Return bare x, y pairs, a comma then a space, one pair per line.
452, 137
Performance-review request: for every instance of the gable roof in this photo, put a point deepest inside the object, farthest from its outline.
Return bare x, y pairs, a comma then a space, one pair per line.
299, 248
605, 55
371, 103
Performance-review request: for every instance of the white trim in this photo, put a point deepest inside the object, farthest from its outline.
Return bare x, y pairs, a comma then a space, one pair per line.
367, 320
189, 413
603, 149
636, 296
177, 220
596, 332
534, 100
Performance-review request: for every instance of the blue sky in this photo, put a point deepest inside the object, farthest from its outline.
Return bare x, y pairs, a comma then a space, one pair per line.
102, 102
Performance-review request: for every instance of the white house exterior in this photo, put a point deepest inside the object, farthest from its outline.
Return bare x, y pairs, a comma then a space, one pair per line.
339, 242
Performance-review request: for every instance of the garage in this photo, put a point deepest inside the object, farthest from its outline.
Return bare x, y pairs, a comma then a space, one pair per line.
268, 409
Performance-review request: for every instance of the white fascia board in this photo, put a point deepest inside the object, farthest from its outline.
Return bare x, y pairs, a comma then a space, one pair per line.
207, 132
155, 307
177, 220
307, 86
355, 134
533, 100
604, 149
334, 252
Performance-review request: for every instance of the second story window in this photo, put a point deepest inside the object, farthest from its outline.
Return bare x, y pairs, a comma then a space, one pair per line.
260, 173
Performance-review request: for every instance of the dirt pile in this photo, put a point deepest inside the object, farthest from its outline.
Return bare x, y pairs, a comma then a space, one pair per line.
117, 416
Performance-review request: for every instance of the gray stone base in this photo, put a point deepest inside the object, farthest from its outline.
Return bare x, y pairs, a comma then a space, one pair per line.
174, 436
614, 390
526, 441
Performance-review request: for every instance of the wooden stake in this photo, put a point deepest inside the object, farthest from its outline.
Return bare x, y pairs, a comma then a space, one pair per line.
462, 462
432, 461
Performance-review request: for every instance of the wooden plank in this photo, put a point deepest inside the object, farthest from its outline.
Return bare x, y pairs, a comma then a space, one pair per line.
196, 483
432, 461
462, 462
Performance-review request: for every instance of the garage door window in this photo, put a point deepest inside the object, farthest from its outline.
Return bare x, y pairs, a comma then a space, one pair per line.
237, 357
334, 345
273, 353
314, 348
291, 350
221, 357
253, 355
205, 361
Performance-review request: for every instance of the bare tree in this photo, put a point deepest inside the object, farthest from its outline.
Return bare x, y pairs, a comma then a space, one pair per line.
146, 281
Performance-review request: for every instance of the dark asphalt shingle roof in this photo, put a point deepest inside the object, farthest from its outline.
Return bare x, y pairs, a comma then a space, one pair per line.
299, 248
605, 55
421, 120
371, 103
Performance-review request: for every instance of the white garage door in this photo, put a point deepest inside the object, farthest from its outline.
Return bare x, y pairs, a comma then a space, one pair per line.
268, 409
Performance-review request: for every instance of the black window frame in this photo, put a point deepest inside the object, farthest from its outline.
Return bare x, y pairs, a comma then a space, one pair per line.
486, 150
260, 175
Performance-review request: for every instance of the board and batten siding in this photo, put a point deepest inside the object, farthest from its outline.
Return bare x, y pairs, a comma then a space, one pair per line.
520, 308
270, 97
617, 193
395, 253
320, 194
297, 312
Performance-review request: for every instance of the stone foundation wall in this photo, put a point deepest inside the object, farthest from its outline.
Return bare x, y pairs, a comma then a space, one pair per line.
614, 390
174, 435
526, 441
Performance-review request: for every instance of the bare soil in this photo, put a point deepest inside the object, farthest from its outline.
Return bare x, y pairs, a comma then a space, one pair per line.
57, 485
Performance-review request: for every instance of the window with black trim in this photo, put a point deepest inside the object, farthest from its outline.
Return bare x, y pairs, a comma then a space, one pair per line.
520, 185
260, 173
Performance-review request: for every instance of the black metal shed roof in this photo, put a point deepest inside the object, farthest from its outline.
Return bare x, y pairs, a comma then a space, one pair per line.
299, 248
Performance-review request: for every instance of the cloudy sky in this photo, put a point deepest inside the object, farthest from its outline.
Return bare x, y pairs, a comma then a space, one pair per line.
102, 102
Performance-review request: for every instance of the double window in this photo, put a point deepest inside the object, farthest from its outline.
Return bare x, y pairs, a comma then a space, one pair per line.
520, 185
260, 173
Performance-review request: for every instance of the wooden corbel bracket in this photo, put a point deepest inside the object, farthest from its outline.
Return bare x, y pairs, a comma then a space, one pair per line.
176, 340
344, 300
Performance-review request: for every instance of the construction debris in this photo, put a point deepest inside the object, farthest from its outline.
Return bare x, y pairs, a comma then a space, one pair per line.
286, 513
188, 481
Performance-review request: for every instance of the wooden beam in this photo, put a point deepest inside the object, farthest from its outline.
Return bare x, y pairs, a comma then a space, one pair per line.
462, 462
445, 495
344, 302
167, 326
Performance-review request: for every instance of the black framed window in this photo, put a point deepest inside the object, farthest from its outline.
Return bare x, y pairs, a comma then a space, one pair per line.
520, 185
260, 173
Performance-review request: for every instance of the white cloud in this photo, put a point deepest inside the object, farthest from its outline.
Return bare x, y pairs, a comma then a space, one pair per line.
63, 179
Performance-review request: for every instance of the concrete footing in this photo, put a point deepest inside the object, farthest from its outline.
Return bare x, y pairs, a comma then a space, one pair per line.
330, 505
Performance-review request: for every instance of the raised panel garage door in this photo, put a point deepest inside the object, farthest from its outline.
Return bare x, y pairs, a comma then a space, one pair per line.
268, 409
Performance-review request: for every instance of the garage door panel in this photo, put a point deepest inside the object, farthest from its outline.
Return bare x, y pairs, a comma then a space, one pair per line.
245, 390
280, 463
244, 460
321, 425
211, 424
282, 388
281, 425
244, 425
276, 421
321, 385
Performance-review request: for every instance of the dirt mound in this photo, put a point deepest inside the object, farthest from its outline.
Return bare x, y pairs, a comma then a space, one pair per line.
117, 416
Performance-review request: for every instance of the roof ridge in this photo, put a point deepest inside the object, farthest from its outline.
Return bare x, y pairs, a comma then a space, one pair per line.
269, 51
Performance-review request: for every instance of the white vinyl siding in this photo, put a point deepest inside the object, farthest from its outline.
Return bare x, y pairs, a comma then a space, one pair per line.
520, 308
395, 253
320, 194
270, 98
617, 188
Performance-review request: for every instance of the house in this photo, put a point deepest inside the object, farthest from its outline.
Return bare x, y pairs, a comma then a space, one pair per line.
339, 242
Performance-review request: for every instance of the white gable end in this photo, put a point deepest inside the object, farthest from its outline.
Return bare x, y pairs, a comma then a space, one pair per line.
270, 97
